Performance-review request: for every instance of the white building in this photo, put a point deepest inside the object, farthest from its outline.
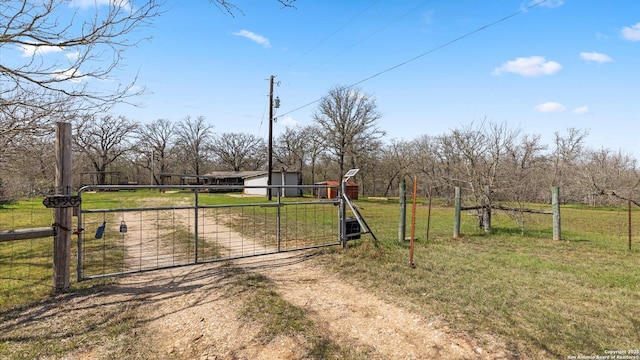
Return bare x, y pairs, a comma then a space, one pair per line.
277, 178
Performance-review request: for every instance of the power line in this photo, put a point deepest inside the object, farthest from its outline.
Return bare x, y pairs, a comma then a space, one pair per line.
335, 32
439, 47
377, 31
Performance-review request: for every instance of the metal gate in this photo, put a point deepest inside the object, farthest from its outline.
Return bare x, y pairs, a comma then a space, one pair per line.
128, 229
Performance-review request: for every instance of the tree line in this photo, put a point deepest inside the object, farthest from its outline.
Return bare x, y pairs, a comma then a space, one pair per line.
344, 134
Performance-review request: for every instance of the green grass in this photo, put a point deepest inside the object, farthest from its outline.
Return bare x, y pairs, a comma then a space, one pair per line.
543, 298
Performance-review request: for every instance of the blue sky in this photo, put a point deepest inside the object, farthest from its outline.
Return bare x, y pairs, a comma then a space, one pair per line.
558, 65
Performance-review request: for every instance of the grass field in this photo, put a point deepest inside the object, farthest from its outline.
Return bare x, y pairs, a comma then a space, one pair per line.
543, 298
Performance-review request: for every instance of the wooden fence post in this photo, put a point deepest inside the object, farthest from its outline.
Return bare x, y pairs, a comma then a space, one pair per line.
555, 204
486, 210
64, 186
456, 214
402, 224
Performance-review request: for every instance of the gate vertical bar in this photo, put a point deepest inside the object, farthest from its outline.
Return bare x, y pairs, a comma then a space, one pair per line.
195, 224
64, 184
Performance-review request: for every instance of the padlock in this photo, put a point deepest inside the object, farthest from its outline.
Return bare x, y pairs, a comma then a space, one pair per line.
123, 227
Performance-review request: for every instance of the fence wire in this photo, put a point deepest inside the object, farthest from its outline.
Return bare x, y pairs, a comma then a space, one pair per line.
25, 265
603, 226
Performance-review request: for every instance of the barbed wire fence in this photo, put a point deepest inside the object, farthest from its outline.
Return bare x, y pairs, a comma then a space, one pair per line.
615, 225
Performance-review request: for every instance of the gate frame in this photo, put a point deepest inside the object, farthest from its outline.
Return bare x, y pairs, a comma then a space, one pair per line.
196, 206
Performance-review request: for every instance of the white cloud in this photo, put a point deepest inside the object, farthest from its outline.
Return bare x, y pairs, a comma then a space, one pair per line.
582, 110
631, 33
31, 50
594, 56
550, 107
531, 66
72, 75
72, 56
259, 39
288, 122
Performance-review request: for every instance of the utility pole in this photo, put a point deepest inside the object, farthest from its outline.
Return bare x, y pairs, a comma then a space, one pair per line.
270, 166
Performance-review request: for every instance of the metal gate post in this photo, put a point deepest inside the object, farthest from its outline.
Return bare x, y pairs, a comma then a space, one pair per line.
278, 220
195, 222
342, 221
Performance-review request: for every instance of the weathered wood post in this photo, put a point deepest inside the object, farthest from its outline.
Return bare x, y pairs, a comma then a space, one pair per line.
486, 209
64, 186
402, 223
555, 204
456, 213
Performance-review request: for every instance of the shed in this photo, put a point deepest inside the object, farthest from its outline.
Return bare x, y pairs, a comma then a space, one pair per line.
277, 178
332, 192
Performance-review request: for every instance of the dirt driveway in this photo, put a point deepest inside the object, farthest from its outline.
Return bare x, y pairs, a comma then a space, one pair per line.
196, 312
193, 313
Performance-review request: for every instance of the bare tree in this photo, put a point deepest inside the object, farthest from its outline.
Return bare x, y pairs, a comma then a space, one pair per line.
194, 140
61, 52
566, 156
103, 140
316, 148
614, 175
156, 140
231, 8
478, 151
396, 162
291, 148
347, 119
522, 170
239, 151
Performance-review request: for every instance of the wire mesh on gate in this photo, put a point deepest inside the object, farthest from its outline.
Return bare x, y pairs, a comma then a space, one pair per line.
210, 226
